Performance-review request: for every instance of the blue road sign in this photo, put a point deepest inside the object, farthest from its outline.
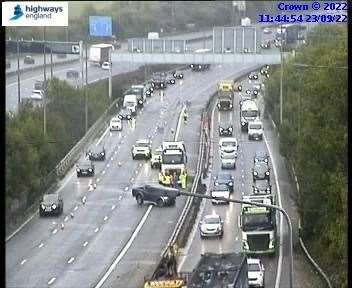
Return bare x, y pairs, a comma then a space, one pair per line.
100, 26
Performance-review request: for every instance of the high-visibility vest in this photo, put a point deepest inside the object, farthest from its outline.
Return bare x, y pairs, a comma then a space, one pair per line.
167, 180
183, 177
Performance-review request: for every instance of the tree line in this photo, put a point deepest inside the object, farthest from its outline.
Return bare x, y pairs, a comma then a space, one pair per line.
313, 137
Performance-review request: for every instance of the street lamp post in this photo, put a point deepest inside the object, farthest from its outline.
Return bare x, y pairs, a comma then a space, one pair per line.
259, 205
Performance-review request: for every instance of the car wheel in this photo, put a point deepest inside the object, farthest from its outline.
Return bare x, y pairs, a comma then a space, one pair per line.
222, 235
41, 213
160, 203
133, 157
139, 199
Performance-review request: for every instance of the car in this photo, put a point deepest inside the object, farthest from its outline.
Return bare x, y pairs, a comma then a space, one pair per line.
158, 195
170, 79
261, 187
155, 161
142, 148
149, 90
256, 272
261, 171
52, 204
106, 66
115, 124
137, 50
265, 45
225, 129
72, 74
125, 113
97, 153
228, 161
224, 178
178, 74
261, 157
255, 130
228, 146
37, 95
211, 225
227, 50
253, 76
85, 168
246, 50
39, 85
220, 190
267, 31
159, 80
8, 64
28, 60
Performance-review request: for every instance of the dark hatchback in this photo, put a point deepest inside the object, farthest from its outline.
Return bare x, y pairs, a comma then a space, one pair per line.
97, 153
224, 178
85, 168
261, 156
225, 129
51, 204
158, 195
261, 171
261, 187
125, 113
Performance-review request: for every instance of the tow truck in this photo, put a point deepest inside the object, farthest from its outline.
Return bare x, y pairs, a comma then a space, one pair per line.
258, 225
173, 159
225, 95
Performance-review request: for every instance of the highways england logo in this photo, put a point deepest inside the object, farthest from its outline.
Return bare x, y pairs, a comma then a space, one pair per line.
38, 13
17, 13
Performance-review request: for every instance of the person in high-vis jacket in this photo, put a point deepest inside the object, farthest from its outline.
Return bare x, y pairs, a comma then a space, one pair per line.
168, 179
183, 178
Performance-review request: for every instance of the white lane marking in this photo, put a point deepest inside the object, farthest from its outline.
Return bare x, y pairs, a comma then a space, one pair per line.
102, 136
23, 261
75, 209
132, 179
85, 244
71, 260
116, 151
178, 128
96, 230
51, 281
279, 265
126, 188
106, 218
103, 172
41, 245
66, 219
120, 197
98, 179
125, 249
113, 207
136, 172
55, 231
112, 159
108, 165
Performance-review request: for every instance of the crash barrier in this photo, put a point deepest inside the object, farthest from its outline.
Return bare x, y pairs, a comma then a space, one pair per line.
292, 171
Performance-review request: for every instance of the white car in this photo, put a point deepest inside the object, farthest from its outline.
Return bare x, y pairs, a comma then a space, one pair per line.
115, 124
255, 130
211, 225
228, 146
155, 161
37, 95
221, 190
267, 31
142, 148
106, 66
255, 273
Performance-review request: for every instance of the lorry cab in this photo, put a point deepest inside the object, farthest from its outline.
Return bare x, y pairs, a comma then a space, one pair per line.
139, 91
130, 101
225, 86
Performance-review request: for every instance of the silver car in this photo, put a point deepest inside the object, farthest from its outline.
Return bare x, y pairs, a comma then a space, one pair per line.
211, 225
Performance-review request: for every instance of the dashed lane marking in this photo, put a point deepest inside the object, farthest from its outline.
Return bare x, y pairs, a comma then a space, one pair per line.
23, 261
96, 230
71, 260
51, 281
55, 231
113, 206
85, 244
41, 245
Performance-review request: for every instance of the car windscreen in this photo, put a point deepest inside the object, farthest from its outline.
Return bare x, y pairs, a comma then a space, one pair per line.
253, 267
252, 222
49, 198
261, 184
220, 188
255, 126
172, 159
223, 176
212, 220
229, 144
141, 144
252, 113
130, 104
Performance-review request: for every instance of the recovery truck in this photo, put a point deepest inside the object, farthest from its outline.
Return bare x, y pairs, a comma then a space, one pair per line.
248, 112
225, 95
258, 225
173, 159
99, 53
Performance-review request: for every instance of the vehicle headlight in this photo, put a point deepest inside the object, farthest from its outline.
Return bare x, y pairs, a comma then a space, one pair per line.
90, 170
128, 117
161, 84
78, 170
266, 160
255, 173
43, 206
267, 172
216, 183
120, 117
199, 66
102, 153
268, 189
191, 65
221, 129
231, 184
243, 123
230, 129
230, 105
53, 206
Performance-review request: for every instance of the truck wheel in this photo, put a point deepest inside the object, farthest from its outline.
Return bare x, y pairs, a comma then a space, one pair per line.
160, 203
139, 199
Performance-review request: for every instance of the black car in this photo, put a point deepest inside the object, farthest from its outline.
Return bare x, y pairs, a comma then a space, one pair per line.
199, 67
225, 129
224, 178
125, 113
261, 187
253, 76
170, 79
97, 153
265, 45
51, 204
72, 74
149, 90
159, 80
261, 156
261, 171
178, 74
28, 60
158, 195
85, 168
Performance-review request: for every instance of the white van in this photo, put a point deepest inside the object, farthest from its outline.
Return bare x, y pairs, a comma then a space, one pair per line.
130, 101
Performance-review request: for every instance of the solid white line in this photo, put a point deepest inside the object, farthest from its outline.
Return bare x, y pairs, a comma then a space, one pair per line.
71, 260
179, 123
51, 281
102, 136
125, 249
279, 265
